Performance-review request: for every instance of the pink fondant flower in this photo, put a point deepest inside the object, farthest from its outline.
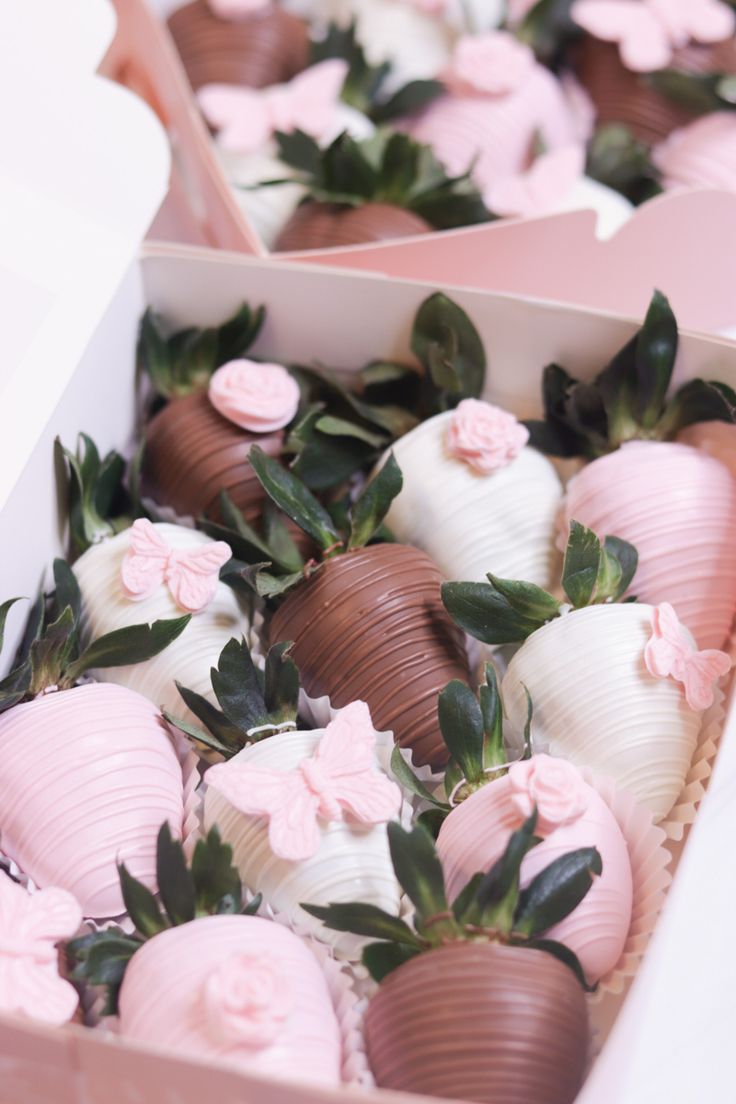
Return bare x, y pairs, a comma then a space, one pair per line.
191, 574
30, 927
256, 397
555, 786
647, 31
484, 436
341, 777
671, 653
700, 155
247, 118
247, 1001
541, 188
237, 9
494, 64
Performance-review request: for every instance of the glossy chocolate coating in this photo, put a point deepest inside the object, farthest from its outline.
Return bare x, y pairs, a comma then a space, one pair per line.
370, 625
622, 96
327, 225
261, 48
480, 1022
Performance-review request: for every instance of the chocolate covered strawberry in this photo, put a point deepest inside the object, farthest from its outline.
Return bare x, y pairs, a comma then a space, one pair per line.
132, 570
305, 810
388, 186
474, 1001
248, 42
366, 622
674, 502
474, 497
203, 977
619, 687
87, 773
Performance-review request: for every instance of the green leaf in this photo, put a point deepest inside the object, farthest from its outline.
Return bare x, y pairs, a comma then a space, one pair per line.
133, 644
300, 151
291, 496
556, 891
207, 741
50, 651
433, 819
491, 707
465, 906
251, 909
362, 919
324, 461
237, 686
281, 685
4, 611
480, 610
340, 427
547, 27
153, 355
697, 401
175, 883
419, 872
102, 959
628, 561
281, 543
497, 896
618, 160
449, 347
656, 350
527, 599
33, 629
380, 959
565, 955
222, 728
461, 723
409, 781
699, 93
409, 99
580, 569
374, 503
140, 904
236, 335
215, 877
67, 591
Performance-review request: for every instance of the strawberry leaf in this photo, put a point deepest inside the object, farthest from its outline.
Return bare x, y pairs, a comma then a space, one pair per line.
293, 497
175, 883
380, 959
133, 644
374, 503
556, 891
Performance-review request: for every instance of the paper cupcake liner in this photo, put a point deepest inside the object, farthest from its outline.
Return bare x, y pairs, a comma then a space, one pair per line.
683, 811
649, 858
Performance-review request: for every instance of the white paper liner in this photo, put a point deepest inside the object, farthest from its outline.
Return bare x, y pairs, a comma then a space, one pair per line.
683, 811
649, 858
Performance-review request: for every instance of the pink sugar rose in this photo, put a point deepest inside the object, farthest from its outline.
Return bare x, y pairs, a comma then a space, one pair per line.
247, 1001
256, 397
555, 786
494, 64
484, 436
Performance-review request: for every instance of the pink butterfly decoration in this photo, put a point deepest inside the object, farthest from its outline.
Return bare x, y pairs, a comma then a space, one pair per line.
31, 924
536, 192
191, 574
247, 117
671, 653
340, 778
647, 31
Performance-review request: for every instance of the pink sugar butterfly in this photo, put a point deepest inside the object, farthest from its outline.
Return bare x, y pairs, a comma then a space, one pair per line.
549, 180
31, 924
340, 777
190, 574
670, 653
647, 31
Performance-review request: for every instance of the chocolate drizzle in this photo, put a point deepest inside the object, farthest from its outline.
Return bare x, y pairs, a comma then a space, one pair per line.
370, 625
192, 453
264, 47
622, 96
317, 225
480, 1022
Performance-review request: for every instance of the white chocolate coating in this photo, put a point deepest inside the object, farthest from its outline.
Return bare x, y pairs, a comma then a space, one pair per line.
352, 863
189, 658
596, 704
469, 523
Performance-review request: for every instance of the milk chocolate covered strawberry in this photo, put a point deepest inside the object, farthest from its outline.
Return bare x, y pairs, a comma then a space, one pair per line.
203, 977
675, 503
87, 773
480, 970
619, 687
304, 809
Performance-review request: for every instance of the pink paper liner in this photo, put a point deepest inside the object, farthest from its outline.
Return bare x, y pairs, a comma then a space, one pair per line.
649, 861
685, 808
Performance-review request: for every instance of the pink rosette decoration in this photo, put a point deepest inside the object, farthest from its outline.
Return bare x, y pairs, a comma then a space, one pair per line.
484, 436
340, 779
258, 397
237, 9
30, 927
493, 64
542, 188
555, 786
247, 1001
191, 575
247, 118
671, 653
647, 31
701, 155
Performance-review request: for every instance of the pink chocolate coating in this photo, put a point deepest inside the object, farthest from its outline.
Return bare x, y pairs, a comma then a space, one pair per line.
87, 777
677, 506
194, 990
476, 832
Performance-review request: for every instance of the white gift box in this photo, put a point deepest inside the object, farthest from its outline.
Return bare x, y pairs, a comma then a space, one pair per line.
74, 291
